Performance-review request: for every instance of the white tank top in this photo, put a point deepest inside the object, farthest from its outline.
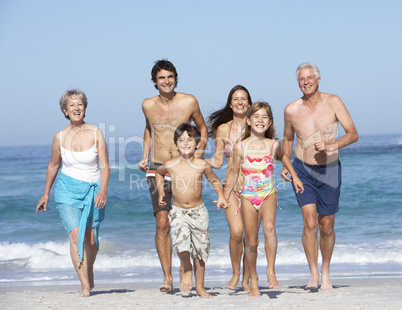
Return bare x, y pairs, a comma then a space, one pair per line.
80, 165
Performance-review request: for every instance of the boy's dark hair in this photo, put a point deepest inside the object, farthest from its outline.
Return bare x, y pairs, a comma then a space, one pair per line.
164, 65
192, 131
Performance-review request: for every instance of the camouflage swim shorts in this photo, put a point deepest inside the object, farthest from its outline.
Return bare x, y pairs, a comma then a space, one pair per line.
189, 228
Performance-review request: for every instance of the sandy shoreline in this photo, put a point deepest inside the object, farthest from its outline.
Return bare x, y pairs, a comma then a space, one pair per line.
348, 293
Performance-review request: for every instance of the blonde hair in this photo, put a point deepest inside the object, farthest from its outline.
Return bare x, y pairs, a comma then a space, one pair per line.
75, 92
270, 133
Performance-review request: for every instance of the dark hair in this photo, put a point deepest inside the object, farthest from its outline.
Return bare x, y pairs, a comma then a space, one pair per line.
225, 114
270, 133
192, 131
163, 65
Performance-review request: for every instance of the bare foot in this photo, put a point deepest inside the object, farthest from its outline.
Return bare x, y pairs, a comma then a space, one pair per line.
84, 293
91, 280
254, 291
232, 285
186, 281
245, 285
325, 281
181, 271
166, 287
203, 293
272, 281
313, 284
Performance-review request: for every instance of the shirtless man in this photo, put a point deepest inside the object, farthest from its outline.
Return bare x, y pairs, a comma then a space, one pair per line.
314, 119
163, 113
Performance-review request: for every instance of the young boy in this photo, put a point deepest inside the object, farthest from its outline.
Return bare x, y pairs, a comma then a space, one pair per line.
188, 216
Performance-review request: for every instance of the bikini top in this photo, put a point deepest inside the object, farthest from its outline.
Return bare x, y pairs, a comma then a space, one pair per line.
257, 169
229, 144
228, 148
80, 165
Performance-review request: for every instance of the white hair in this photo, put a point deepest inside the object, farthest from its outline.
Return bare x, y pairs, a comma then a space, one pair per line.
308, 65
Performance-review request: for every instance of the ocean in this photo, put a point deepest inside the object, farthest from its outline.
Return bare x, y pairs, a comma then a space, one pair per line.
34, 248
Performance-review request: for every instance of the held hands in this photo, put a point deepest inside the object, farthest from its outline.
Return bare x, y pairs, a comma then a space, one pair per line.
42, 203
143, 165
222, 202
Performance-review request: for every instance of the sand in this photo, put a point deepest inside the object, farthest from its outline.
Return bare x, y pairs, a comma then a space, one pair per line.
348, 293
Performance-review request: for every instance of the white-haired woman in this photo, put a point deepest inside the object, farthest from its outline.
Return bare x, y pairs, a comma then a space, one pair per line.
81, 191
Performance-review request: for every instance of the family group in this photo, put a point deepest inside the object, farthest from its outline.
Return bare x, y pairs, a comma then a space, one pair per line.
173, 159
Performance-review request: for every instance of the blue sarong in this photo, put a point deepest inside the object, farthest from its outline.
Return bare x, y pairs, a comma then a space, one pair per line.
76, 205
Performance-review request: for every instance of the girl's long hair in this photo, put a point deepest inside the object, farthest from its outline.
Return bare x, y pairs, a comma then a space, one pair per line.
270, 133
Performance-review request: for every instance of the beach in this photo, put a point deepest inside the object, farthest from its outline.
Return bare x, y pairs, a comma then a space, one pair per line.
349, 293
36, 269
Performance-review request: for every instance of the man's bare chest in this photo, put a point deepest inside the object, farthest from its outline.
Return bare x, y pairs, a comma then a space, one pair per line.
171, 117
308, 121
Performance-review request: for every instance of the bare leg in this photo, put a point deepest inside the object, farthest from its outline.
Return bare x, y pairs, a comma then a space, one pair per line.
90, 252
164, 248
199, 273
246, 273
251, 227
235, 240
310, 243
181, 272
327, 243
268, 214
186, 277
80, 268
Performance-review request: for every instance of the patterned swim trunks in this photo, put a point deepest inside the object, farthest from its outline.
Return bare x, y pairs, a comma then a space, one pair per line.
189, 228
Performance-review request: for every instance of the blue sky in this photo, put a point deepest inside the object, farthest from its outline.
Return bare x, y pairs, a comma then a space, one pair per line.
107, 49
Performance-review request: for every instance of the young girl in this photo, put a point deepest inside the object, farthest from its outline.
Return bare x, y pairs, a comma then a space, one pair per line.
253, 157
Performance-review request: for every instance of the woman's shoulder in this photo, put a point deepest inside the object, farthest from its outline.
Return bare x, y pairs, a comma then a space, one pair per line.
91, 127
223, 129
57, 135
239, 145
64, 131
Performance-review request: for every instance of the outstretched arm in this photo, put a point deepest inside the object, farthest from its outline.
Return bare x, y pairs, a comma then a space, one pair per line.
101, 197
52, 169
199, 121
233, 173
147, 146
216, 162
288, 136
283, 157
217, 185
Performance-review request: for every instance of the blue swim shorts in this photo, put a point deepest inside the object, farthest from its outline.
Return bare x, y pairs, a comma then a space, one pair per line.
322, 185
